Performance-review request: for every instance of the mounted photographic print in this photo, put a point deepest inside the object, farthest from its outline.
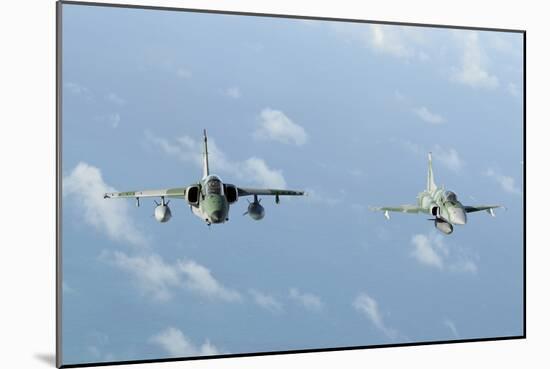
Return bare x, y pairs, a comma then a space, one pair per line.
240, 184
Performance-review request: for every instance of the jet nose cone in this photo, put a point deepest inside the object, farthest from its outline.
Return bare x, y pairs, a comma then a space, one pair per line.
216, 216
458, 216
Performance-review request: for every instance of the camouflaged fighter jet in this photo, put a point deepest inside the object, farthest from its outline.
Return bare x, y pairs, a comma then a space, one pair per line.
209, 199
442, 204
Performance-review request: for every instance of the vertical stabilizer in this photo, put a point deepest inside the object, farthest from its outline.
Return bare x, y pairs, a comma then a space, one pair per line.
430, 186
205, 168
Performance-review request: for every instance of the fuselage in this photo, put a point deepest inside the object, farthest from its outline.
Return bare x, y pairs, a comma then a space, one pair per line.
443, 205
213, 206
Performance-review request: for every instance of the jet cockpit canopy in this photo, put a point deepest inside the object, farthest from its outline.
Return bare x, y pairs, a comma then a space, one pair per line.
213, 185
449, 196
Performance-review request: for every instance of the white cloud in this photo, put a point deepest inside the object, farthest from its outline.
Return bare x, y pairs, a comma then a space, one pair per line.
464, 266
427, 116
85, 187
400, 42
115, 99
424, 251
200, 279
97, 344
472, 71
258, 170
114, 119
175, 343
431, 251
158, 279
507, 183
76, 88
451, 325
153, 276
387, 40
188, 150
307, 300
368, 306
267, 302
232, 92
79, 90
184, 73
448, 157
276, 126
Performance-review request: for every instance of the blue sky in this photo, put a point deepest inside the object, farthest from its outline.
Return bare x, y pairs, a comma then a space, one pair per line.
347, 112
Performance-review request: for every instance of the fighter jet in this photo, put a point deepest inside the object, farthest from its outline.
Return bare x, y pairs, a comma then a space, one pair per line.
209, 198
443, 205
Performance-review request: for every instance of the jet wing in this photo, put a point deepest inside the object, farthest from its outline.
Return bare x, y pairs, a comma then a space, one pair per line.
178, 193
488, 208
400, 209
268, 191
414, 209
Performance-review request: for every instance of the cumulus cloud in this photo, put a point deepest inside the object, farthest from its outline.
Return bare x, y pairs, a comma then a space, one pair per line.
430, 250
276, 126
200, 279
232, 92
115, 99
307, 300
84, 186
189, 150
507, 183
425, 252
159, 279
388, 40
153, 276
472, 71
114, 119
176, 344
266, 301
97, 346
428, 116
184, 73
77, 89
368, 306
258, 170
448, 157
400, 42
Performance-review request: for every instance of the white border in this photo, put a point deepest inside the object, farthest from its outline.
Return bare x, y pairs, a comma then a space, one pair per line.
27, 154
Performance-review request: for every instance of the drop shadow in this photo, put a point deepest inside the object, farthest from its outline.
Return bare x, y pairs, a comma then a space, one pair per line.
46, 358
